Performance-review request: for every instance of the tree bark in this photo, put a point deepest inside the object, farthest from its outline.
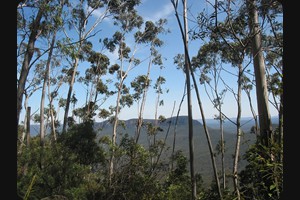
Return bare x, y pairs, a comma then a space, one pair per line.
28, 126
142, 107
24, 133
280, 134
175, 4
64, 129
175, 128
189, 101
253, 113
219, 106
46, 78
26, 62
238, 135
114, 135
264, 118
83, 34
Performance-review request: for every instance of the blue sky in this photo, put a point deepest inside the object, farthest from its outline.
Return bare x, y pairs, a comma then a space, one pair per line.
175, 79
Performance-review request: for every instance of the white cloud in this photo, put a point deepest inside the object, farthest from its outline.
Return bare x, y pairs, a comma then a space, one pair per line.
163, 13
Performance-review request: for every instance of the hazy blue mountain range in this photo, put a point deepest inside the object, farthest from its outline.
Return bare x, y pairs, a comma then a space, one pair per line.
229, 127
203, 162
246, 124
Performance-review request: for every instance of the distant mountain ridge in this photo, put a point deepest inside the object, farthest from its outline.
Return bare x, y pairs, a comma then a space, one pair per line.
181, 120
246, 122
202, 158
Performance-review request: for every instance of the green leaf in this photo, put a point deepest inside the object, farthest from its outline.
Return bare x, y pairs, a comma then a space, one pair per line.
272, 186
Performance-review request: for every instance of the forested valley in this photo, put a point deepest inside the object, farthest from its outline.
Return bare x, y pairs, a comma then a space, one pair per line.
83, 64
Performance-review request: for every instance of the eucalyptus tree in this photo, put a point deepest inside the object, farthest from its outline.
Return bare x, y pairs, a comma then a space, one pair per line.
54, 23
236, 33
189, 71
33, 85
188, 85
272, 42
95, 85
141, 83
266, 41
31, 27
217, 101
126, 19
81, 13
248, 87
159, 91
47, 117
267, 52
230, 40
256, 30
153, 128
179, 61
236, 58
123, 96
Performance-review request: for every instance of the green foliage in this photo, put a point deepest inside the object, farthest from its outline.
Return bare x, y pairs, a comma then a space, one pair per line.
43, 172
76, 167
126, 100
150, 33
95, 4
263, 176
80, 139
104, 114
211, 193
99, 63
128, 21
178, 183
275, 84
113, 68
179, 62
132, 176
122, 5
87, 112
140, 84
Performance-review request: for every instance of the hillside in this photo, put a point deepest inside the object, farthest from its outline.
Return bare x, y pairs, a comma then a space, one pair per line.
203, 164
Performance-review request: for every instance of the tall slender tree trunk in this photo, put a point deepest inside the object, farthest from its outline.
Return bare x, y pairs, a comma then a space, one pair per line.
156, 114
46, 79
25, 125
142, 107
53, 118
222, 148
238, 135
175, 126
219, 105
26, 62
213, 160
189, 101
260, 77
253, 113
28, 113
280, 135
114, 135
53, 131
175, 4
68, 102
